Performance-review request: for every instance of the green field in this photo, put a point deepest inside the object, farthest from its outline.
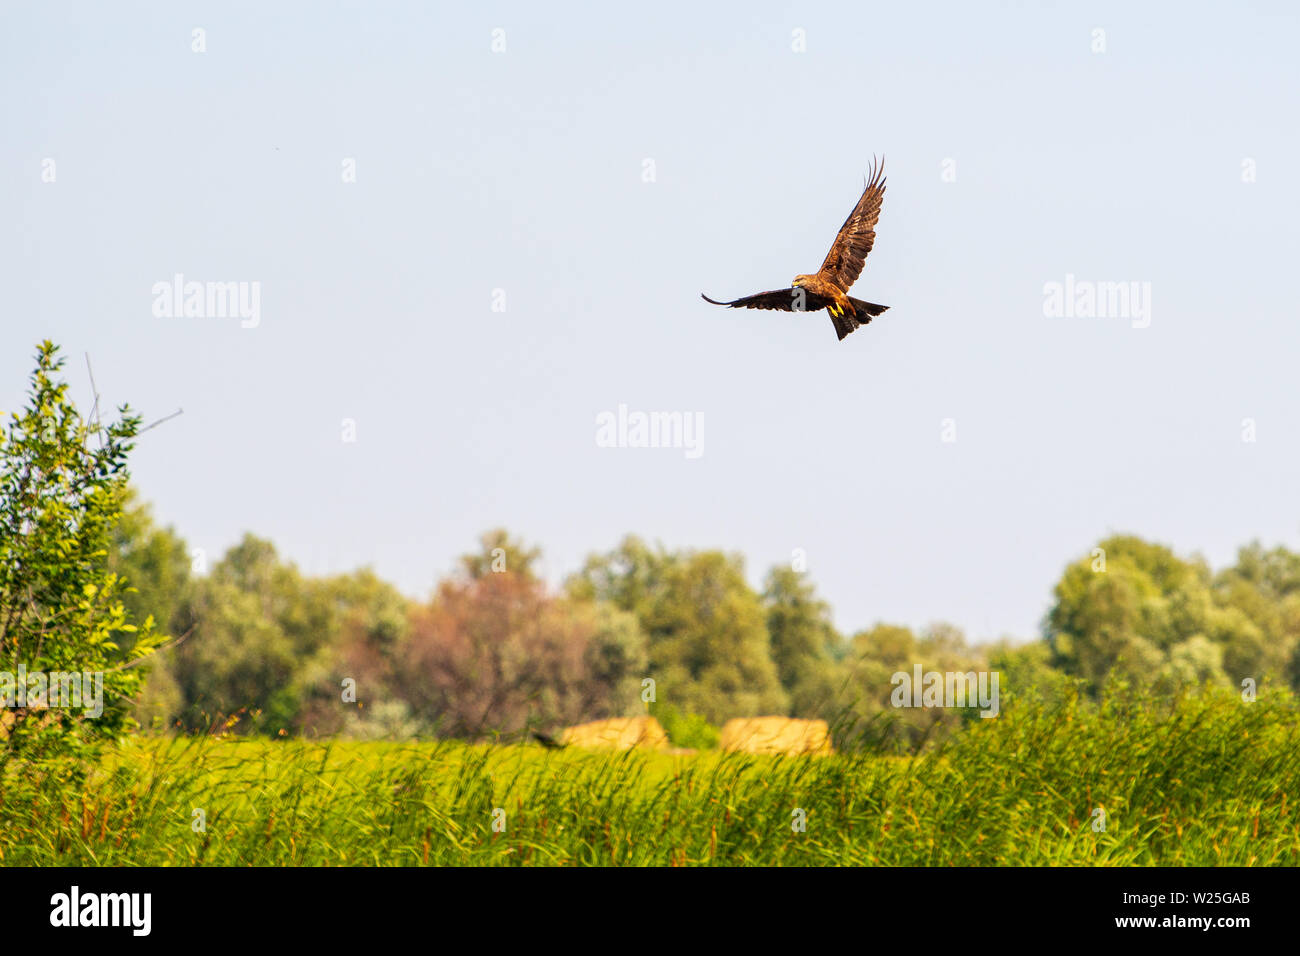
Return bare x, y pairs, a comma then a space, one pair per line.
1205, 779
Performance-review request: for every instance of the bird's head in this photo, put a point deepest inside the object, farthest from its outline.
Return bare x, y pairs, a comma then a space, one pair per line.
797, 281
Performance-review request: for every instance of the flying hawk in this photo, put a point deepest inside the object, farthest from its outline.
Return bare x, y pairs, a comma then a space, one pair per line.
828, 289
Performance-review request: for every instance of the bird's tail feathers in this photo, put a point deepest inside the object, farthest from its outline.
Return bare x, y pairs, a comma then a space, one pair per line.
846, 323
867, 308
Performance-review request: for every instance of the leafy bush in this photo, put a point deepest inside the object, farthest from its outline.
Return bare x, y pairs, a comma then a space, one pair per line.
687, 729
62, 484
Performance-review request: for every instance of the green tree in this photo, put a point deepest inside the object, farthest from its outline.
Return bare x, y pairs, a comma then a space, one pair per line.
264, 641
805, 644
707, 630
155, 563
1135, 611
373, 622
62, 484
1027, 669
1260, 629
498, 552
876, 656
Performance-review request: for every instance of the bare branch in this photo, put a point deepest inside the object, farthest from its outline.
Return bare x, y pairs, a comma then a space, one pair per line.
165, 418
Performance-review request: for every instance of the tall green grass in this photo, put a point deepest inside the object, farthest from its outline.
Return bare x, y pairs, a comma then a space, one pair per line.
1199, 779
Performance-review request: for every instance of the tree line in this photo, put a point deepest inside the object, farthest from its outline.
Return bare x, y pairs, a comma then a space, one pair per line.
678, 633
253, 645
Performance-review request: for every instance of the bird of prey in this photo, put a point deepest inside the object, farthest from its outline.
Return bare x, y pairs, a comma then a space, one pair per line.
828, 288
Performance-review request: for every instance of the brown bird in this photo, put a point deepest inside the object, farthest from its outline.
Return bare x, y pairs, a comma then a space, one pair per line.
829, 288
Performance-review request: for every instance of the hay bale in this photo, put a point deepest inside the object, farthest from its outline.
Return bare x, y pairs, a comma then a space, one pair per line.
618, 733
776, 735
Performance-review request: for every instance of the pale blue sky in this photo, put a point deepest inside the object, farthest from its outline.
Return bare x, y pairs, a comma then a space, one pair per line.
522, 171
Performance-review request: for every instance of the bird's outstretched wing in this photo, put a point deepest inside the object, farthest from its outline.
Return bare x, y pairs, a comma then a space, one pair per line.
782, 300
844, 262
